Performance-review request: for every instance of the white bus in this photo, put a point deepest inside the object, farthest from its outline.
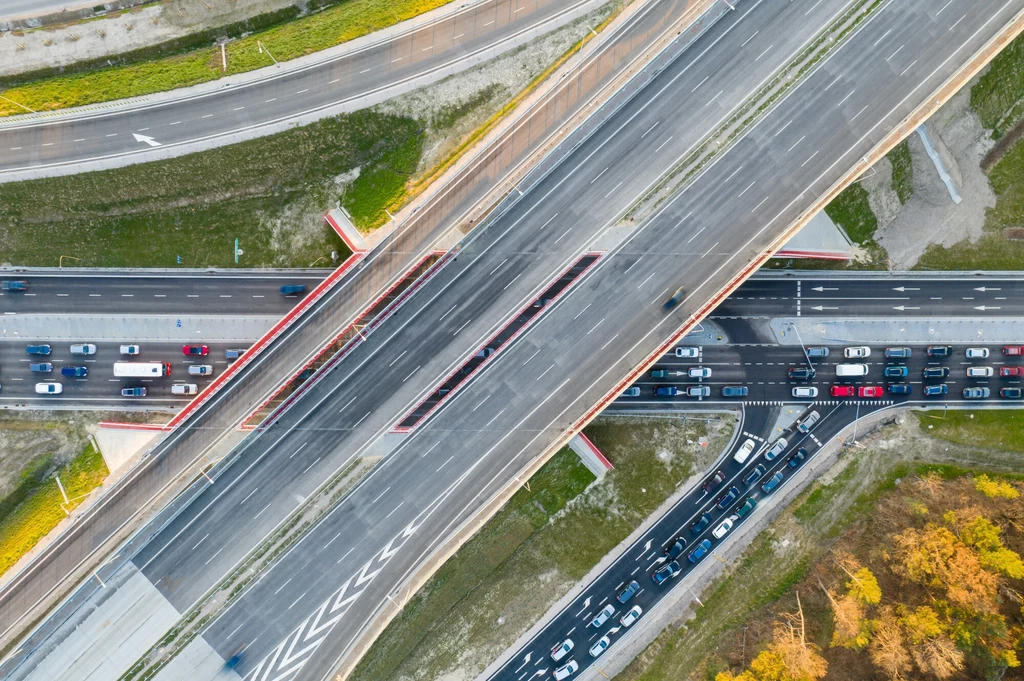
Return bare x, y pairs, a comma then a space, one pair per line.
142, 369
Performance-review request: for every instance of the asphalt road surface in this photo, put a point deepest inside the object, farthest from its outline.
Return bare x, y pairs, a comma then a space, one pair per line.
138, 293
554, 373
70, 143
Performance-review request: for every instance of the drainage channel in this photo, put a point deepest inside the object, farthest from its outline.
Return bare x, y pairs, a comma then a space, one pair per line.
494, 345
330, 351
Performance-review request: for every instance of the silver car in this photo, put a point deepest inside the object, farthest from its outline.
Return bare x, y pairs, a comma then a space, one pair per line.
83, 349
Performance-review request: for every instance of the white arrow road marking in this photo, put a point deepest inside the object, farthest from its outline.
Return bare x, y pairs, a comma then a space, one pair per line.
821, 289
904, 289
586, 604
987, 288
986, 307
821, 308
526, 661
647, 547
145, 138
902, 308
541, 672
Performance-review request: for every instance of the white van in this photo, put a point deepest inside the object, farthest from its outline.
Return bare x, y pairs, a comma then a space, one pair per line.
851, 370
744, 451
184, 389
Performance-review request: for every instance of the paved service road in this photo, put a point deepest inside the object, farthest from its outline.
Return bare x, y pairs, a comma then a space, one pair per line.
183, 123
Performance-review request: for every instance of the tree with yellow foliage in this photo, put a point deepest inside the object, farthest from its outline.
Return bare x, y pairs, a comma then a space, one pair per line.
995, 489
789, 657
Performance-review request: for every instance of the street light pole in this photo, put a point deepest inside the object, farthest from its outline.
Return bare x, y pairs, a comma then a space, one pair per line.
802, 346
263, 49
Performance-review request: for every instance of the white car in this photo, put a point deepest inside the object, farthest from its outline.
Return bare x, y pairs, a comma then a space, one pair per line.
49, 388
562, 649
602, 616
744, 451
184, 389
699, 372
200, 370
688, 353
601, 646
979, 372
724, 527
83, 349
130, 349
566, 671
977, 353
632, 616
805, 391
857, 352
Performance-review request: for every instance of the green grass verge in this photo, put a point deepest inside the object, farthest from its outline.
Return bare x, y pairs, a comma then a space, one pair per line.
539, 544
33, 508
998, 96
269, 193
902, 171
851, 211
802, 534
1001, 429
992, 250
333, 26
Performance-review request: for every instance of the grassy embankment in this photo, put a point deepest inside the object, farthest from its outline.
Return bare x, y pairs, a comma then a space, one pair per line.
998, 99
29, 512
739, 606
177, 64
541, 542
269, 193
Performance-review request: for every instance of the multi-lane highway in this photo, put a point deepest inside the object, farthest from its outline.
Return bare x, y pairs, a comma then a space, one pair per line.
163, 125
551, 376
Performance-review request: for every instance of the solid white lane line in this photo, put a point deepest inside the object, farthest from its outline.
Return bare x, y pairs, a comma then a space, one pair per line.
365, 71
836, 80
380, 495
296, 601
268, 101
394, 60
563, 235
744, 44
361, 420
664, 143
812, 8
330, 542
298, 93
582, 311
311, 465
854, 117
710, 249
493, 418
464, 325
809, 159
15, 148
332, 82
645, 280
248, 495
694, 89
480, 403
395, 509
748, 187
282, 586
732, 174
432, 447
410, 374
347, 403
50, 144
765, 52
845, 98
782, 128
345, 556
649, 129
948, 3
545, 372
595, 326
613, 189
759, 205
488, 274
882, 38
200, 542
713, 99
895, 53
532, 356
599, 176
215, 555
427, 49
633, 265
445, 463
261, 512
398, 358
489, 22
549, 220
904, 71
795, 143
458, 36
513, 280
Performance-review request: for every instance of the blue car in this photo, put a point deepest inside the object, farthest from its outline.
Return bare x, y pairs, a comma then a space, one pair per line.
74, 372
702, 522
699, 552
292, 289
666, 572
729, 497
734, 391
41, 368
935, 390
666, 391
628, 592
632, 391
772, 484
38, 349
899, 371
899, 389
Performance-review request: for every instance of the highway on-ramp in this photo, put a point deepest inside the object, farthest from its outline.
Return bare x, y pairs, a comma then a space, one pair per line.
164, 125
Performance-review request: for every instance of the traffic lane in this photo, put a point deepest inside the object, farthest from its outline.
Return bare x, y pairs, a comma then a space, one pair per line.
598, 156
281, 96
19, 381
140, 294
646, 555
706, 274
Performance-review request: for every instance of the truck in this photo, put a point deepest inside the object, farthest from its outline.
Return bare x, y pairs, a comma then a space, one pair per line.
142, 369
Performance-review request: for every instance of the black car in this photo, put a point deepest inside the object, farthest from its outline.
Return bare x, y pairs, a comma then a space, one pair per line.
717, 479
935, 372
797, 458
754, 475
801, 373
940, 350
676, 548
700, 524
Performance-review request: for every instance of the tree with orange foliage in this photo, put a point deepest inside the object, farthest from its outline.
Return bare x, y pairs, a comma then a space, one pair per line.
789, 657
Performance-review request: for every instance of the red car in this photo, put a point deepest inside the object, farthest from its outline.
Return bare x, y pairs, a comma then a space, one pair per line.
870, 391
1013, 350
842, 391
1006, 372
201, 350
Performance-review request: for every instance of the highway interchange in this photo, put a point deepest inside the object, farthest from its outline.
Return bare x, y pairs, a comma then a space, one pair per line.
551, 376
251, 105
